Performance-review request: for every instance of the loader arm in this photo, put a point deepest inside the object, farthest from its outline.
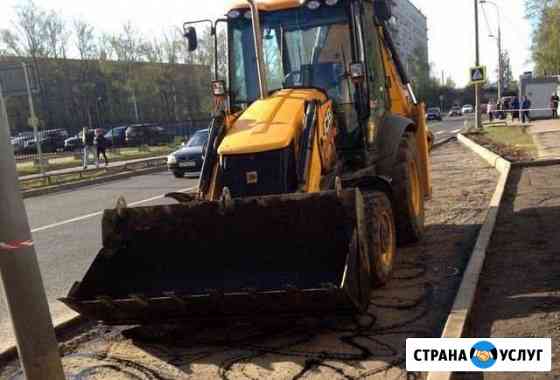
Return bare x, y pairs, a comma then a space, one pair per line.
404, 103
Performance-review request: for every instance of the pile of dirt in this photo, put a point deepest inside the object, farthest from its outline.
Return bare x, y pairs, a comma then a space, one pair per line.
509, 152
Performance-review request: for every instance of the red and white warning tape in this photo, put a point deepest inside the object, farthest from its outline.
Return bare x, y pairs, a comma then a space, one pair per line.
15, 245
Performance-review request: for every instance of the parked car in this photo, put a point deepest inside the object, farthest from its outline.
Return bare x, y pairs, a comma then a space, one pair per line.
149, 134
455, 111
18, 143
467, 108
433, 113
52, 141
188, 159
116, 136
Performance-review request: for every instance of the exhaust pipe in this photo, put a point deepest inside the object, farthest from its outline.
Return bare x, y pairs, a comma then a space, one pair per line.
263, 84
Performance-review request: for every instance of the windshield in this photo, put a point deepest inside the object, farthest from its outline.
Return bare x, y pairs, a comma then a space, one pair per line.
301, 47
199, 139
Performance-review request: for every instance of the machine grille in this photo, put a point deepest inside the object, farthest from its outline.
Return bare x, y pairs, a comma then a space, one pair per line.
259, 174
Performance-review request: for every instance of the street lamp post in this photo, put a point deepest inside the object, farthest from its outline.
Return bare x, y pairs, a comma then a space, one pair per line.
477, 63
500, 62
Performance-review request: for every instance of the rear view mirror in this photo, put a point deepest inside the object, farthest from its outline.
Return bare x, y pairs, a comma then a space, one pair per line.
382, 10
190, 36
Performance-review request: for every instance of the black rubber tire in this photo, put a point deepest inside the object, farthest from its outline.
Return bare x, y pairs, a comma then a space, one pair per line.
179, 174
410, 228
376, 204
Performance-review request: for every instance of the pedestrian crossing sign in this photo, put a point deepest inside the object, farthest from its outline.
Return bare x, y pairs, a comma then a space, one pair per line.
478, 74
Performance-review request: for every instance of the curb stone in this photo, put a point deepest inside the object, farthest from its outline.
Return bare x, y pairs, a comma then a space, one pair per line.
74, 185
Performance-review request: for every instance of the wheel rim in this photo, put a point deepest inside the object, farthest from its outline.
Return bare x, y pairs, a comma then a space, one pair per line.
386, 239
416, 193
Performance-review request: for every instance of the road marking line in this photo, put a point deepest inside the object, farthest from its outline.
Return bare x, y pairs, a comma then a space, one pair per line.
94, 214
440, 132
456, 130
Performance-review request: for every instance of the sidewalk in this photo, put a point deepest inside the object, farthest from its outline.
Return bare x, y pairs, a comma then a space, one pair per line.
90, 167
546, 134
519, 292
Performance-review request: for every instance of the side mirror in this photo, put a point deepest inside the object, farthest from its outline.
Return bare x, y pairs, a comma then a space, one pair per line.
382, 10
190, 36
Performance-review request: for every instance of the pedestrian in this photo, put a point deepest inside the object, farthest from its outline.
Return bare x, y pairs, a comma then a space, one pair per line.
554, 102
490, 110
499, 109
88, 141
101, 144
505, 109
525, 109
515, 107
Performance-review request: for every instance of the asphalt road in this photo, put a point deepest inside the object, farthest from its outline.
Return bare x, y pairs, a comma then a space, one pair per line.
449, 127
66, 229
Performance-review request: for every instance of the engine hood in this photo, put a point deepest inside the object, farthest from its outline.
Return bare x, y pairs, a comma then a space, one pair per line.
269, 124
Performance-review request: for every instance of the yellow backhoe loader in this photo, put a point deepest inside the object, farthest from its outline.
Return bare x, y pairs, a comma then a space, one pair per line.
316, 169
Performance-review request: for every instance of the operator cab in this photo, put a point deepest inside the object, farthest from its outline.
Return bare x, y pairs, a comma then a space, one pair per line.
314, 44
302, 47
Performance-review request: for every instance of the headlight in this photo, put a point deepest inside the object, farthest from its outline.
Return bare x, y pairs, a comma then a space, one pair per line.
171, 159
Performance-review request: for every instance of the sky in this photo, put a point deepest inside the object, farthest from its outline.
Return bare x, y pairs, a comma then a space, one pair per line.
450, 26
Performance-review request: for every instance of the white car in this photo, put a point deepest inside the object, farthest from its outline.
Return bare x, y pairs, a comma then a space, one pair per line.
467, 108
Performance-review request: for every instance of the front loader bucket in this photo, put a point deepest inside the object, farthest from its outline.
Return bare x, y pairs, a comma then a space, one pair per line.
247, 258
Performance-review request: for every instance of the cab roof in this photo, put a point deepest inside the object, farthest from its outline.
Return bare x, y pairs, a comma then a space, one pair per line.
266, 5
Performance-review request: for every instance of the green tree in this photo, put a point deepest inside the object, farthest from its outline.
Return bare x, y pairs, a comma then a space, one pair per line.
545, 17
507, 73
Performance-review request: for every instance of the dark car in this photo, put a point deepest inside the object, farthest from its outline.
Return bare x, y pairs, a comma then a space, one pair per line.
116, 137
52, 141
433, 114
188, 159
18, 143
146, 134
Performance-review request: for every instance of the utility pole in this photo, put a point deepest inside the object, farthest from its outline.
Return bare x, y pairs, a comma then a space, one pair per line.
500, 60
477, 64
33, 120
135, 103
20, 274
